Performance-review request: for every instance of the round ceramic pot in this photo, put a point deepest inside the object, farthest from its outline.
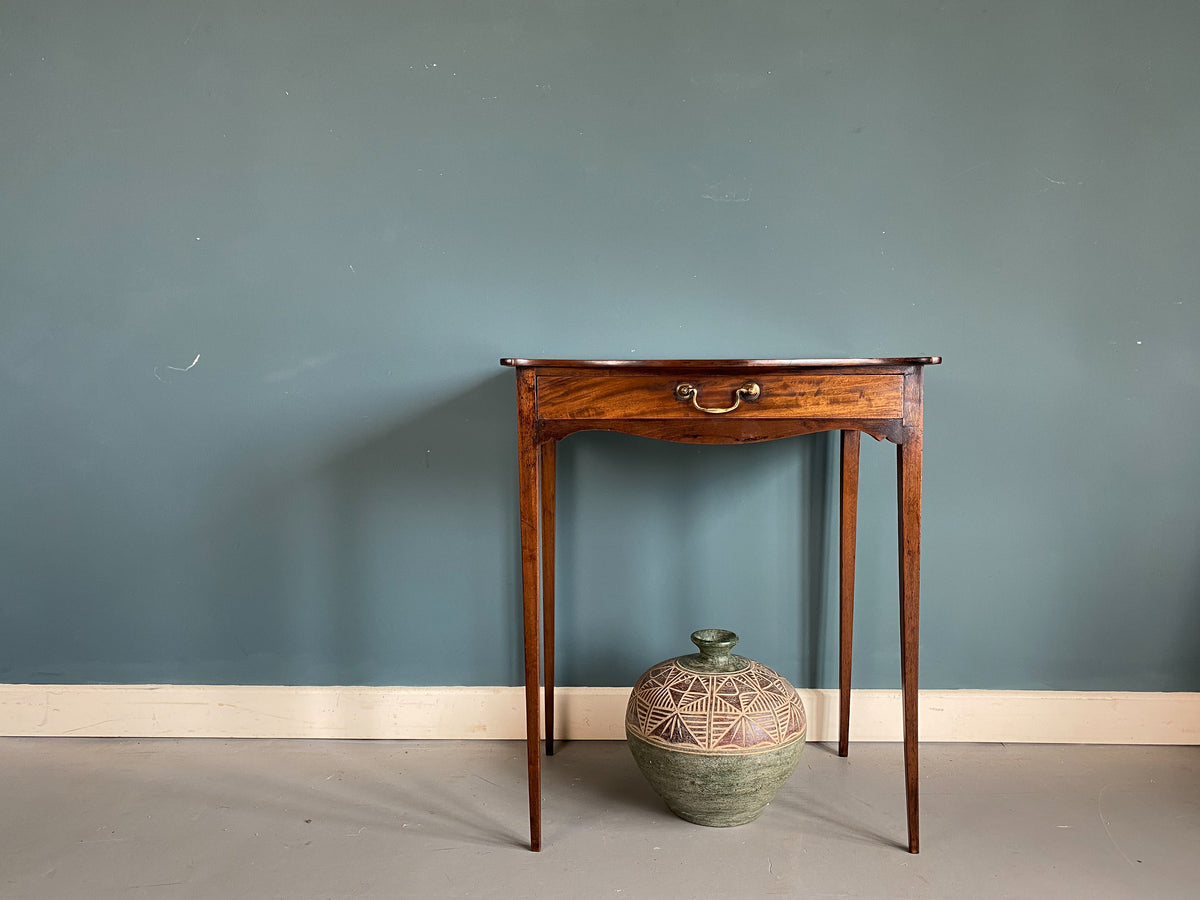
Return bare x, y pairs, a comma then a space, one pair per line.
715, 734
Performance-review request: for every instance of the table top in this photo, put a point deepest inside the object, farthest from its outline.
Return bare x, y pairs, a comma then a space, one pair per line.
718, 363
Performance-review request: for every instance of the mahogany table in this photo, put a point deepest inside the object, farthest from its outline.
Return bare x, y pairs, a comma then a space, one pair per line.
719, 401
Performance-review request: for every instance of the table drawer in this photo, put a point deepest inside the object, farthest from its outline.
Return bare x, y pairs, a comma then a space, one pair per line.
851, 396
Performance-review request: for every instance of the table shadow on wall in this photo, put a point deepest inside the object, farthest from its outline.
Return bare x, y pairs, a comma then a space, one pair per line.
386, 558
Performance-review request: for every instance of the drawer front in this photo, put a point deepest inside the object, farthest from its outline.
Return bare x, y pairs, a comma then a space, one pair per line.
780, 396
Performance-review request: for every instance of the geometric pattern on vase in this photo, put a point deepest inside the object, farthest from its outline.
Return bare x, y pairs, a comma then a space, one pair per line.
753, 710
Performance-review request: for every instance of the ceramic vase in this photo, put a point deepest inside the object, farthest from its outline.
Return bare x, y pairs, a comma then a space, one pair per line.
715, 734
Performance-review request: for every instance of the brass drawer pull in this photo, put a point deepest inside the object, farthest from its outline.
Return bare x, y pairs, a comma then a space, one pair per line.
748, 392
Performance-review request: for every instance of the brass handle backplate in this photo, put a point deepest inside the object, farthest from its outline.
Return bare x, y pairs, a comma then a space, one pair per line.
748, 392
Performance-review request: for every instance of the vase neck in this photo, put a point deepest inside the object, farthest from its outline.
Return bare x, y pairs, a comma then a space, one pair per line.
715, 654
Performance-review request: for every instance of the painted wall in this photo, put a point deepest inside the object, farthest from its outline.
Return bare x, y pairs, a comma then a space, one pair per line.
258, 261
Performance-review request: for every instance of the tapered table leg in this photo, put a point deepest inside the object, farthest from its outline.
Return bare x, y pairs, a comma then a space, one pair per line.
849, 523
909, 490
527, 466
547, 460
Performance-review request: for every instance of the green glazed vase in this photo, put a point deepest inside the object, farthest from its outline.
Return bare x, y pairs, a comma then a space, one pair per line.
715, 734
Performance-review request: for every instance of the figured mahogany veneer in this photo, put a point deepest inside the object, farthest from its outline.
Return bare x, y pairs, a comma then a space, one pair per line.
653, 396
729, 401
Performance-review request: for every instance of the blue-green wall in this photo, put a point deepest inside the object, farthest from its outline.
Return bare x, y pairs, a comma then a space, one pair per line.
351, 210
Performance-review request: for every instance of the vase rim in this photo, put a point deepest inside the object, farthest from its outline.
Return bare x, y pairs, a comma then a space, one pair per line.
714, 637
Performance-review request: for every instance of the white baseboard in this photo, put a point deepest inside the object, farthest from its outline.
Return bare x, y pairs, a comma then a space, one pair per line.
497, 713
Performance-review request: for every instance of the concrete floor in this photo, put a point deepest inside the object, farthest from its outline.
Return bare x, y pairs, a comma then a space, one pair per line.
84, 818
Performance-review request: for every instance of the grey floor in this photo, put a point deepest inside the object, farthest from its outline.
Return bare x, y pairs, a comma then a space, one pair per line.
83, 818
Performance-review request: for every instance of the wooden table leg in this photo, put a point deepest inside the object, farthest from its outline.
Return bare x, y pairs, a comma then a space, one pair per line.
849, 522
909, 490
527, 467
547, 466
